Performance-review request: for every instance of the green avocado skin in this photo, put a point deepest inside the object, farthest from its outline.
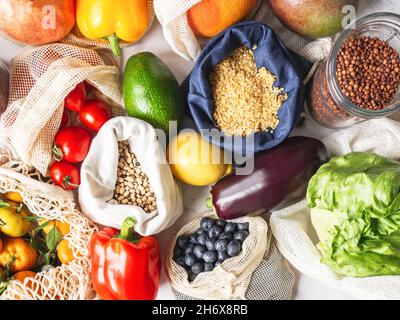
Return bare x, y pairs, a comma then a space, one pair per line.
151, 91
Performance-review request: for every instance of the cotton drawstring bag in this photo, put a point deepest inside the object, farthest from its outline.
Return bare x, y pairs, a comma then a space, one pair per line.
99, 176
41, 78
65, 282
295, 236
259, 272
177, 32
75, 37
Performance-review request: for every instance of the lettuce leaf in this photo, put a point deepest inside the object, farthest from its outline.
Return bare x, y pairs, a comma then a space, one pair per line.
355, 201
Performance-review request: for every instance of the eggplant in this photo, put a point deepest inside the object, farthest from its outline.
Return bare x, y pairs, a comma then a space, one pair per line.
280, 178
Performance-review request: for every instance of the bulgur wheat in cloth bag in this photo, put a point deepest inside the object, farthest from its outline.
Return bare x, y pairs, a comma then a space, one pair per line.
99, 176
259, 272
41, 78
177, 32
295, 236
68, 281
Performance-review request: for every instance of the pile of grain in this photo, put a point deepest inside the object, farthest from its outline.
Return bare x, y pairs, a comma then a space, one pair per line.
133, 187
246, 100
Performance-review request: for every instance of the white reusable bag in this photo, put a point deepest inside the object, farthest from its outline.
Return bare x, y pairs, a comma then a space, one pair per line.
295, 236
99, 175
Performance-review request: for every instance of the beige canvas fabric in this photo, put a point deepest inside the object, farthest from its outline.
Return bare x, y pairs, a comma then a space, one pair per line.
177, 32
99, 176
296, 237
66, 282
258, 273
41, 77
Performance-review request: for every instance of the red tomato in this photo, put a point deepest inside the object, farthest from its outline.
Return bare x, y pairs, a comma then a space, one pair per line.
76, 98
65, 119
65, 175
72, 144
88, 87
94, 114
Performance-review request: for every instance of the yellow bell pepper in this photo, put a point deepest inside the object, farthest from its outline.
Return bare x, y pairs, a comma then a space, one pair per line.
112, 20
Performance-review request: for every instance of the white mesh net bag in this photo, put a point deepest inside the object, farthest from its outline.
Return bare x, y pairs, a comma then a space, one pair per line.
66, 282
4, 79
75, 37
259, 272
173, 18
295, 236
41, 78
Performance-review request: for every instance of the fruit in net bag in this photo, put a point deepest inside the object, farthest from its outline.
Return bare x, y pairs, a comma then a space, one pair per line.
210, 17
37, 22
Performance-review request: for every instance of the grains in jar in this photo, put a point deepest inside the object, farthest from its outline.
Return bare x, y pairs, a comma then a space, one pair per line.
133, 186
360, 80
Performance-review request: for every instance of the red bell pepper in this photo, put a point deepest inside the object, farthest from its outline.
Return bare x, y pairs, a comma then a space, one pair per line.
125, 266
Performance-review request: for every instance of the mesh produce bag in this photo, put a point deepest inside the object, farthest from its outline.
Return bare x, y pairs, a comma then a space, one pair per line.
173, 18
258, 273
4, 79
77, 38
296, 237
66, 282
41, 78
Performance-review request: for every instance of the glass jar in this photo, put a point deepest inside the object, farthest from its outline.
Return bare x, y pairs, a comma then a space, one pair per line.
327, 104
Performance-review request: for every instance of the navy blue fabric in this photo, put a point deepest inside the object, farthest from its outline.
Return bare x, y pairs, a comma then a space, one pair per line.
289, 68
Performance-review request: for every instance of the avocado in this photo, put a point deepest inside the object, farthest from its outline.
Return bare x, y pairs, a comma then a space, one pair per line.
151, 91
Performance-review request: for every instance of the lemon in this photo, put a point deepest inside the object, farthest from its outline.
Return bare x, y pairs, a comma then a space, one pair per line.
195, 161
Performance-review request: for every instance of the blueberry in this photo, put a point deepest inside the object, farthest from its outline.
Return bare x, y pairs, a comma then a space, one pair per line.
230, 227
210, 256
191, 275
221, 245
226, 235
234, 248
208, 267
182, 241
190, 259
199, 251
198, 268
243, 226
240, 235
214, 232
206, 223
222, 256
189, 248
180, 261
210, 244
193, 238
178, 252
200, 232
201, 239
221, 223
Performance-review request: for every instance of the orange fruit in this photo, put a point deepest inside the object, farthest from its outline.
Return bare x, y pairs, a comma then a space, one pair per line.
22, 275
210, 17
19, 253
1, 245
13, 196
64, 252
62, 227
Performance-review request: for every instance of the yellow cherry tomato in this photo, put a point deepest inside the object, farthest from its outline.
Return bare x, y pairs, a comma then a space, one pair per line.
62, 227
64, 252
12, 222
18, 255
13, 196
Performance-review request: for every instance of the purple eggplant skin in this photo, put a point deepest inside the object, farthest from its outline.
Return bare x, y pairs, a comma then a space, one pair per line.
280, 178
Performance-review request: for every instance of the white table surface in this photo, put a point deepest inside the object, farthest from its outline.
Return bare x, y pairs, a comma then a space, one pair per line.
195, 197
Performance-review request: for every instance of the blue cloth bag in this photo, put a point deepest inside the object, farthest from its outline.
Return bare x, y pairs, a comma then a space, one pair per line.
287, 66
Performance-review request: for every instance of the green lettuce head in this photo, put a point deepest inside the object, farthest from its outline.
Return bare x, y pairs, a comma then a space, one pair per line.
355, 209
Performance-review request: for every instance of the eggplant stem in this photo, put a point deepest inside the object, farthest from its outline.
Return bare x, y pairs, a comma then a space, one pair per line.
209, 203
